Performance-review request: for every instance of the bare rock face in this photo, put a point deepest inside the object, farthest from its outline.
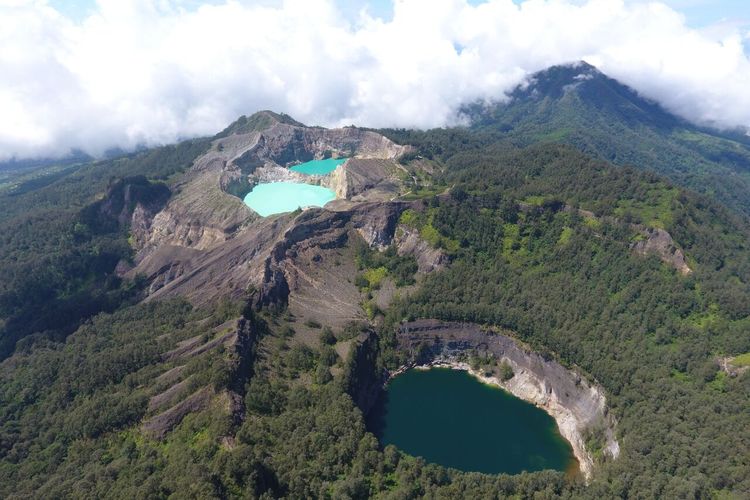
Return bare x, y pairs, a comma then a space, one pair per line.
199, 214
276, 258
206, 242
204, 274
408, 242
578, 406
376, 222
727, 365
660, 243
133, 199
173, 395
296, 256
286, 144
206, 208
366, 179
158, 426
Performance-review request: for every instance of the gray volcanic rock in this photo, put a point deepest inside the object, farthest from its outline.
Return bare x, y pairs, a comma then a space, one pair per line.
298, 256
274, 257
159, 425
203, 275
131, 201
206, 242
376, 222
357, 176
578, 406
660, 243
206, 210
408, 242
365, 381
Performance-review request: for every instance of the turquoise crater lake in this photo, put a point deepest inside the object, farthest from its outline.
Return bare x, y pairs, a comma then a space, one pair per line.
450, 418
318, 167
279, 197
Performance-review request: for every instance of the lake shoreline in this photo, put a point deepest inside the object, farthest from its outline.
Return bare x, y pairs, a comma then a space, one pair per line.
578, 405
278, 197
527, 388
450, 417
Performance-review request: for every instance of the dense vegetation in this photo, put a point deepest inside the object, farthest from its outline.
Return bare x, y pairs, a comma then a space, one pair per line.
64, 406
605, 119
376, 266
568, 283
71, 413
58, 250
539, 239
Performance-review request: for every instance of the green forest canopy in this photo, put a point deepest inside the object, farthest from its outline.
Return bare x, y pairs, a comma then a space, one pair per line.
71, 408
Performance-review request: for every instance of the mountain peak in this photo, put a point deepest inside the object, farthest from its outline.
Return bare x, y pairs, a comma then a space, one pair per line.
258, 122
557, 80
579, 89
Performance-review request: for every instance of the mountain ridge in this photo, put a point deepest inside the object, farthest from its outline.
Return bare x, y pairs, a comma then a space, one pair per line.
178, 345
579, 105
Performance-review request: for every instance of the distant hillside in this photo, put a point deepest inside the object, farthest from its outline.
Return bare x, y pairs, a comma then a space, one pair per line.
578, 105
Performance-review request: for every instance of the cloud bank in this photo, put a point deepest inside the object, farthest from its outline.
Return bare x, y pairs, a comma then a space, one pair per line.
154, 71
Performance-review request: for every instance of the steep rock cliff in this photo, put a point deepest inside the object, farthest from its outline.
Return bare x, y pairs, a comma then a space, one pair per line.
578, 406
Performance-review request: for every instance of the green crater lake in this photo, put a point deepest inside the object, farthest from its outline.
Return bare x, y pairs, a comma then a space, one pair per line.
318, 167
450, 418
279, 197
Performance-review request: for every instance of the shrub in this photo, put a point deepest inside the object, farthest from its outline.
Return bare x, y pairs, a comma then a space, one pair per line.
311, 323
506, 371
327, 337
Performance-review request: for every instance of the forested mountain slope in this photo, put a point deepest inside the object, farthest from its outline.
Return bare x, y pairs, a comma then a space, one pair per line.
255, 393
578, 105
58, 250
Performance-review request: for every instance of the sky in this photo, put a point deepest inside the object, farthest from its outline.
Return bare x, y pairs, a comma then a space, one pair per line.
98, 74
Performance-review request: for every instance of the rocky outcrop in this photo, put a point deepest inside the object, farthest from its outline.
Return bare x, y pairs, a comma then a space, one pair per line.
203, 275
311, 228
169, 396
286, 144
158, 426
655, 241
408, 242
271, 172
129, 203
363, 380
318, 229
198, 215
727, 365
651, 241
169, 406
366, 179
268, 256
377, 222
241, 358
578, 406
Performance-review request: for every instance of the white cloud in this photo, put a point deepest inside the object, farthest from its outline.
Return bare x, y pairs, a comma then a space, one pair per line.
153, 71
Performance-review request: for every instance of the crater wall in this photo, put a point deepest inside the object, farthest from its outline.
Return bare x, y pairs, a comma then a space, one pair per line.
578, 406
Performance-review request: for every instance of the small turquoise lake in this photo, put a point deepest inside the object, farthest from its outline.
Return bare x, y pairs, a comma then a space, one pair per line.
318, 167
450, 418
279, 197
